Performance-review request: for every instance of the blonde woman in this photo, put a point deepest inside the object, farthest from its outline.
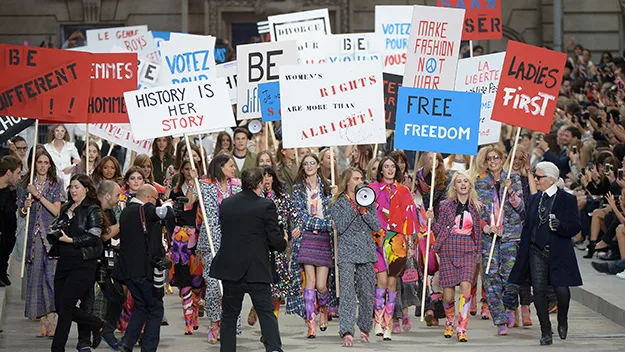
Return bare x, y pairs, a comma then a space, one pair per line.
458, 244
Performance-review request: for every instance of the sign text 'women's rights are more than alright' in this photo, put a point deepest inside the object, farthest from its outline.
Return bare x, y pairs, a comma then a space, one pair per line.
194, 107
439, 121
308, 28
529, 86
481, 74
433, 47
337, 104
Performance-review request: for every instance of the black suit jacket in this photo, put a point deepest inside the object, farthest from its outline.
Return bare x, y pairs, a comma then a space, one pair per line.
563, 270
249, 230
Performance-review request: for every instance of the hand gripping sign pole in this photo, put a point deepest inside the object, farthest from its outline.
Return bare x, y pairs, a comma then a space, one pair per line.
202, 207
30, 196
503, 200
336, 237
427, 241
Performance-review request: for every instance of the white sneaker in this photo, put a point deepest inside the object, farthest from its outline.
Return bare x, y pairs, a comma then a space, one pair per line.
621, 275
378, 330
387, 334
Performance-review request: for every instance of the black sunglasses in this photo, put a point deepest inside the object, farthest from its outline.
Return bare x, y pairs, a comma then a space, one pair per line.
538, 176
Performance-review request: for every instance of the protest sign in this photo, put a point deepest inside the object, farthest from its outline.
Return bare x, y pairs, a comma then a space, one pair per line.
120, 134
187, 58
185, 108
309, 28
433, 47
228, 71
259, 63
44, 83
391, 85
481, 74
440, 121
338, 104
529, 86
159, 38
482, 19
270, 101
353, 47
263, 31
111, 76
10, 126
136, 39
393, 24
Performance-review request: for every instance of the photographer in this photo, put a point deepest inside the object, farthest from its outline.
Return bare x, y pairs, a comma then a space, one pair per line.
112, 290
142, 265
10, 168
75, 236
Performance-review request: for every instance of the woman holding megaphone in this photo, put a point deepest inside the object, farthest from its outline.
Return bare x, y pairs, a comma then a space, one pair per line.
355, 220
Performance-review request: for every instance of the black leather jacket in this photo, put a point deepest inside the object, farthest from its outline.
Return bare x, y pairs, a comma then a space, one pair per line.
87, 215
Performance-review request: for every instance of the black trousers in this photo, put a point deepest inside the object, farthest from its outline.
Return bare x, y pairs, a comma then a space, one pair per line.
72, 281
84, 331
539, 271
7, 243
113, 293
232, 300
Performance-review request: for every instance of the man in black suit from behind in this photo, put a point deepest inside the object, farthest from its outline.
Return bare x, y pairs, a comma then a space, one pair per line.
250, 230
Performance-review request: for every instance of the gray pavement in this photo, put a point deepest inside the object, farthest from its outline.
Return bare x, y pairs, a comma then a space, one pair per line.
588, 331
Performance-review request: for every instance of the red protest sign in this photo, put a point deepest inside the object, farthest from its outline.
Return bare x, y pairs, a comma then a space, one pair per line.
528, 87
482, 18
111, 76
44, 83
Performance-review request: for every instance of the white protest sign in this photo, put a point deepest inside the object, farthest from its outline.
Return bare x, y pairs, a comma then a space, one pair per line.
393, 24
260, 63
136, 39
120, 134
193, 107
187, 58
433, 47
147, 71
309, 28
338, 104
354, 47
228, 71
481, 74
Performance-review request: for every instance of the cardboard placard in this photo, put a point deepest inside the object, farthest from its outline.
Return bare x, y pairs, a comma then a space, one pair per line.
481, 74
121, 134
259, 63
270, 101
393, 24
482, 19
529, 86
190, 108
309, 28
187, 58
391, 87
263, 31
438, 121
338, 104
228, 71
44, 83
433, 47
353, 47
10, 126
136, 39
111, 76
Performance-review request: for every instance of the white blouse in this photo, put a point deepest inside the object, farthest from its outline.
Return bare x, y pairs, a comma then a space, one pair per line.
63, 159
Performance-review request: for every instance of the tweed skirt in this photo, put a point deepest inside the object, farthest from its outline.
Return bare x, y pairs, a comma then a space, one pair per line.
315, 249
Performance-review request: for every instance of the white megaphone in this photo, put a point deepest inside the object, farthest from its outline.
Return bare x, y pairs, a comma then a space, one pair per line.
255, 126
365, 195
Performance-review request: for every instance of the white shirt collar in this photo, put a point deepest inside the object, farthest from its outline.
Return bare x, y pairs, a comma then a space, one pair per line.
135, 200
551, 190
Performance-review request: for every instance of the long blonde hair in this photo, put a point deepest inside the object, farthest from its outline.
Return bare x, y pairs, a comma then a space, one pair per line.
453, 194
343, 181
479, 167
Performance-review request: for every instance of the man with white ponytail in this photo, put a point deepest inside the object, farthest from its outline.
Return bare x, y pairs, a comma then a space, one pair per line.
546, 255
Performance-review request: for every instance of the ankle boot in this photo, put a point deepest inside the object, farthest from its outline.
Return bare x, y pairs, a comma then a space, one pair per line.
463, 317
526, 314
322, 299
276, 308
591, 249
389, 309
378, 313
450, 317
309, 303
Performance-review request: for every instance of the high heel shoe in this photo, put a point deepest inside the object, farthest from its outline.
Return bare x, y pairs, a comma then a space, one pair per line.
591, 249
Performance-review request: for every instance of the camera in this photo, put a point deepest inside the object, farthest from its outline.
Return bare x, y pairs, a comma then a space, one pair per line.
158, 286
574, 149
56, 229
178, 207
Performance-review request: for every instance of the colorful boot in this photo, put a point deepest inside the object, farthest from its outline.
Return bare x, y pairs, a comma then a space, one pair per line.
323, 298
311, 319
512, 318
396, 326
389, 309
485, 312
187, 309
406, 322
252, 318
276, 308
474, 300
463, 317
196, 310
450, 318
378, 313
43, 329
527, 317
213, 333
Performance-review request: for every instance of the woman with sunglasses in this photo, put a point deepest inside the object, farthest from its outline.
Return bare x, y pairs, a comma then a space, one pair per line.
502, 297
312, 240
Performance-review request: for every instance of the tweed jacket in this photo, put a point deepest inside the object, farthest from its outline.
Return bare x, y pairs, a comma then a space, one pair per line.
355, 243
304, 221
444, 226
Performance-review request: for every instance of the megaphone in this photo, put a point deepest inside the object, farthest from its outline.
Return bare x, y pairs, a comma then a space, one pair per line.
365, 196
255, 126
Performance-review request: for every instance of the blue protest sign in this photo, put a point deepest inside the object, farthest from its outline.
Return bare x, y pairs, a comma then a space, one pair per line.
439, 121
270, 101
160, 37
